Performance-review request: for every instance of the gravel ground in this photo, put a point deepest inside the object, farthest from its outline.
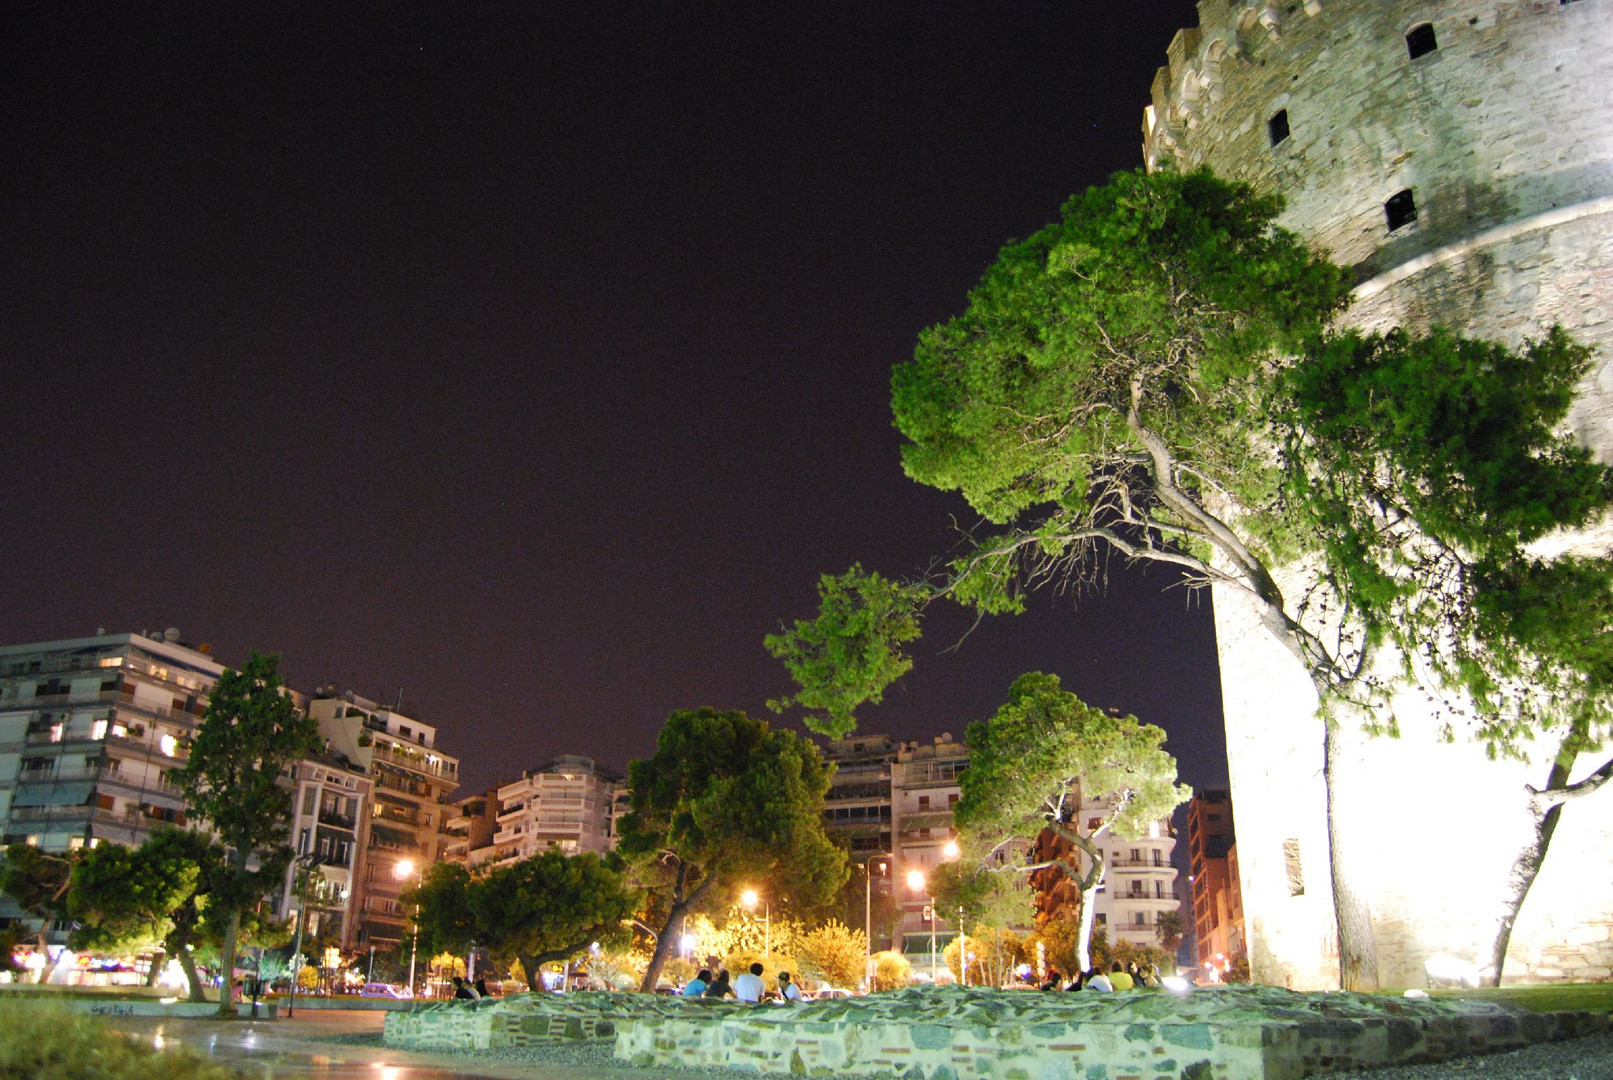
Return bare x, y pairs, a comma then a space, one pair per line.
1589, 1058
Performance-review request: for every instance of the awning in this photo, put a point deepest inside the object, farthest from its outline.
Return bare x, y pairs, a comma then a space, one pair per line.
74, 793
919, 944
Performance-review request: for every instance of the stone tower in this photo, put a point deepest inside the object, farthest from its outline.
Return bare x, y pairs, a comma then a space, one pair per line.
1459, 155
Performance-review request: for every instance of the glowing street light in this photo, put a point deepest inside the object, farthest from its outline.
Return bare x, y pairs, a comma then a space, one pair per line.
868, 916
750, 900
403, 871
917, 883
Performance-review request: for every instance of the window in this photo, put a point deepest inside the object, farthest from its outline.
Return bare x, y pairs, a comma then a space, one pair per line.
1094, 823
1277, 126
1400, 210
1420, 40
924, 802
952, 800
308, 794
98, 730
1141, 919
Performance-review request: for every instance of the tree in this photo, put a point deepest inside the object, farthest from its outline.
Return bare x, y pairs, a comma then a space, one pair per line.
892, 970
250, 731
833, 953
1032, 765
1427, 469
550, 907
124, 899
1119, 384
726, 801
443, 909
39, 884
995, 953
1168, 931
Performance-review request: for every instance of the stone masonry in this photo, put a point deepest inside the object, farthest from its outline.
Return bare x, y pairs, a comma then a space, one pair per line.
1500, 134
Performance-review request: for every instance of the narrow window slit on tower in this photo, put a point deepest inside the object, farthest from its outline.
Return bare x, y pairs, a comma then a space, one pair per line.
1277, 126
1420, 40
1401, 209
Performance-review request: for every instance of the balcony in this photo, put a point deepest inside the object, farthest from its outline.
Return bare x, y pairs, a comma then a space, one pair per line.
336, 818
415, 761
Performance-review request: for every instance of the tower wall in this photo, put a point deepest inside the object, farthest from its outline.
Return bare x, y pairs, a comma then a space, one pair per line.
1503, 134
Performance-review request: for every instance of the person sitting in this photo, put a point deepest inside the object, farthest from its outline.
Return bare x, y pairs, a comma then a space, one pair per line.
696, 986
461, 991
1119, 979
1055, 980
750, 987
481, 987
719, 987
1078, 980
1098, 981
787, 989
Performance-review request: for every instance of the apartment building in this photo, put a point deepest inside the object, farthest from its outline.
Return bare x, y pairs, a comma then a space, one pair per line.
568, 804
89, 729
1217, 891
410, 806
470, 829
1139, 883
330, 829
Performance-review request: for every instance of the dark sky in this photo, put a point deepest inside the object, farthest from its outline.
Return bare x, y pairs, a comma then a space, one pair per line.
533, 358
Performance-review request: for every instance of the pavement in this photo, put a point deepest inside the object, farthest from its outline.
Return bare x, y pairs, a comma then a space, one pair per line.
334, 1045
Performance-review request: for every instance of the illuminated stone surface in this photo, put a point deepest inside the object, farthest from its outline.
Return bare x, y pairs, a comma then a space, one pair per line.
1504, 135
1228, 1033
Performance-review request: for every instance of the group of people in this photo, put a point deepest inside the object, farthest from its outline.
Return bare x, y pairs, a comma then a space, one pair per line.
748, 987
464, 991
1120, 977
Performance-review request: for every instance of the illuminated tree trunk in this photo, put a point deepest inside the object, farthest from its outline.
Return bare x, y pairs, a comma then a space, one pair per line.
1358, 952
1545, 809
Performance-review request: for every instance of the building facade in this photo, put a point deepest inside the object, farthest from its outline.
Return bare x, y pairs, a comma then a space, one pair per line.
1217, 896
567, 805
89, 730
1459, 157
330, 830
409, 809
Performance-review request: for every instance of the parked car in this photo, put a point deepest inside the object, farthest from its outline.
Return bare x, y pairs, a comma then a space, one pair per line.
385, 990
830, 993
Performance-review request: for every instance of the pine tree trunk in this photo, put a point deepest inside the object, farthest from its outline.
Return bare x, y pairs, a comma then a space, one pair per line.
1525, 868
663, 948
158, 962
1358, 954
1083, 939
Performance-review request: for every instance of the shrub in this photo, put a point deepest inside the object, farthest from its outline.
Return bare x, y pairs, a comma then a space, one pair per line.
43, 1041
891, 971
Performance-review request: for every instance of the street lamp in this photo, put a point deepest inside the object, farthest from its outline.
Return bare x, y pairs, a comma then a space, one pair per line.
951, 851
404, 870
868, 917
917, 883
749, 899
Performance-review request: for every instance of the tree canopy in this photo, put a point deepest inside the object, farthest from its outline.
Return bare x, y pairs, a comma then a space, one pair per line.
249, 732
723, 802
1033, 765
1155, 375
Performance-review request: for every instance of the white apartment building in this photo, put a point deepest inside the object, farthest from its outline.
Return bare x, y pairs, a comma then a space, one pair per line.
89, 729
330, 828
568, 804
409, 809
1139, 883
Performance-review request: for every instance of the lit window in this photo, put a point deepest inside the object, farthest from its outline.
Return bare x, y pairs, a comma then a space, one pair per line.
57, 730
169, 745
74, 843
98, 730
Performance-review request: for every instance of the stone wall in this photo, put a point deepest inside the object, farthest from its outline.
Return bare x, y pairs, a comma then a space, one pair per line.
1504, 135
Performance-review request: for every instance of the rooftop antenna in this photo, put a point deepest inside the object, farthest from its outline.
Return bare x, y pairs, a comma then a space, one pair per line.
399, 706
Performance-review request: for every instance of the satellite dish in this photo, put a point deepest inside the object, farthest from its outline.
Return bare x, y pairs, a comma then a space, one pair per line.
171, 634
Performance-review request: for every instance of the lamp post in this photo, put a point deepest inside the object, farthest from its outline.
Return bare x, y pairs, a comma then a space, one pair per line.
302, 867
868, 918
404, 870
749, 899
917, 883
951, 852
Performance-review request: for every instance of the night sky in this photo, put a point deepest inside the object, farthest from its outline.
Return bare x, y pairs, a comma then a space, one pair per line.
533, 358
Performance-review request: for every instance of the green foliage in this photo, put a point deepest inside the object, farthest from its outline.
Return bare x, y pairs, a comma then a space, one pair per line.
445, 918
1423, 467
43, 1041
852, 651
1168, 931
546, 908
991, 895
249, 732
1045, 743
833, 953
123, 899
38, 882
726, 801
994, 954
892, 971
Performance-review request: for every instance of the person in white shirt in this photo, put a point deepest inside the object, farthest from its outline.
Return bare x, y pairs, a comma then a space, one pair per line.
749, 986
1097, 980
787, 988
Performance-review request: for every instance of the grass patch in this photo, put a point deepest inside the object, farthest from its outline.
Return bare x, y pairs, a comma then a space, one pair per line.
40, 1041
1570, 997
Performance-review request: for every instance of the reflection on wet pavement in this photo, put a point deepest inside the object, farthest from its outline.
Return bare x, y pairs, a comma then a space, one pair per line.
271, 1050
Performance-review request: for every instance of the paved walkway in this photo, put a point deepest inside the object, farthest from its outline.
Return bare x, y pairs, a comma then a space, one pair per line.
320, 1046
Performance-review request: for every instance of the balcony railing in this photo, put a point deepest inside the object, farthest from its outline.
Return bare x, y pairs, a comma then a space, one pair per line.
416, 761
